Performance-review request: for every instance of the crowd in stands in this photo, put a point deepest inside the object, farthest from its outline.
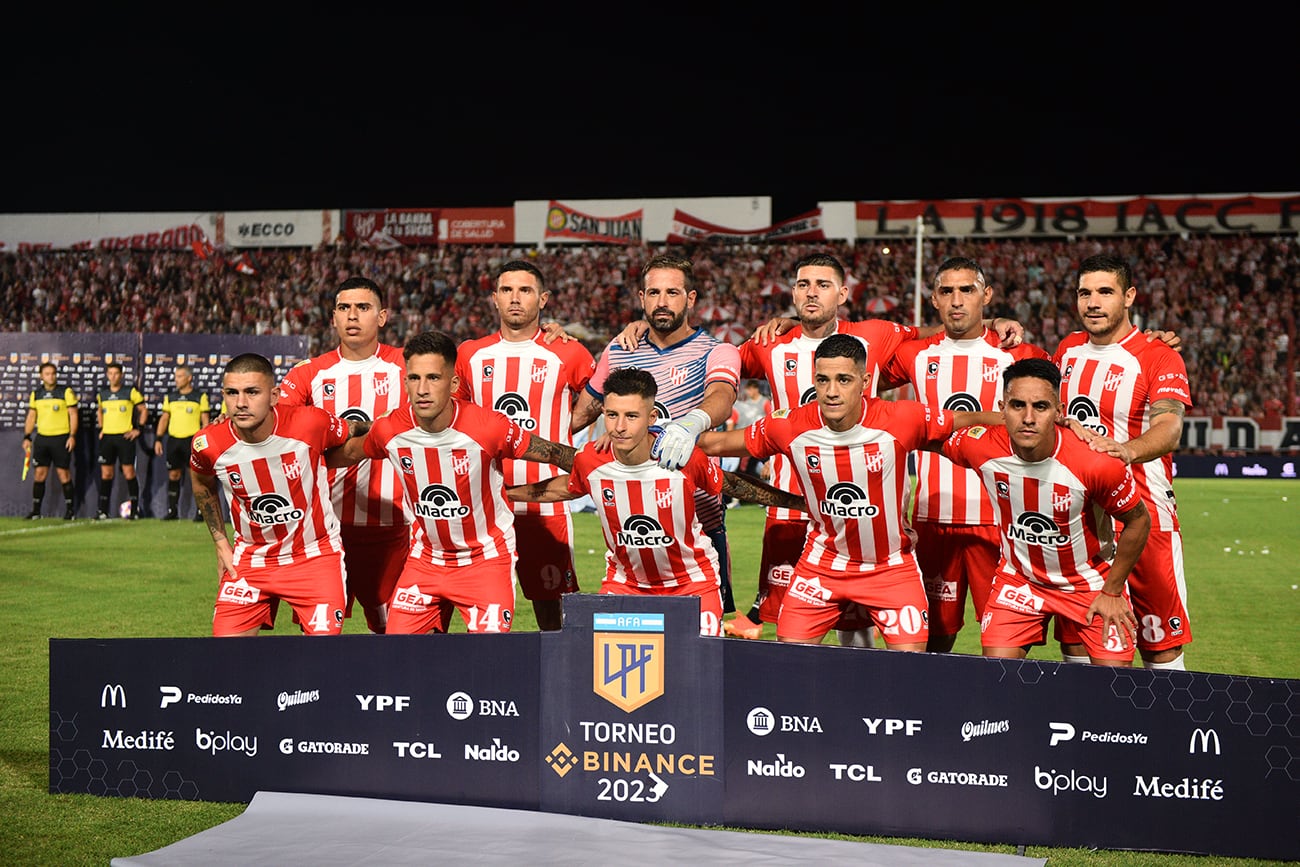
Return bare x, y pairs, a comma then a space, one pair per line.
1232, 299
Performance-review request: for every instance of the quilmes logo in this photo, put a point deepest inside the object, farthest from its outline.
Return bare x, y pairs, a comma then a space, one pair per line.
112, 695
628, 658
515, 406
847, 500
440, 501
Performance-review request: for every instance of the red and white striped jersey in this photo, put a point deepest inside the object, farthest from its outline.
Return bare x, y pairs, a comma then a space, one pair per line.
854, 481
368, 493
453, 481
533, 384
1110, 389
787, 365
960, 376
277, 490
1046, 522
653, 535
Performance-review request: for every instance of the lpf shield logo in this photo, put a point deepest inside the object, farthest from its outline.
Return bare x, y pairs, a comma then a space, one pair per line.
628, 658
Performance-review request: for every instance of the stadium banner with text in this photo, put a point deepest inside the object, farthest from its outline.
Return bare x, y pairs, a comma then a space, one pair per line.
566, 224
22, 233
1241, 433
253, 229
399, 227
1095, 217
641, 719
148, 363
477, 226
688, 229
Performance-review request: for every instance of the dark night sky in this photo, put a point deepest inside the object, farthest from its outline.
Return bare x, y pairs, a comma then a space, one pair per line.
227, 116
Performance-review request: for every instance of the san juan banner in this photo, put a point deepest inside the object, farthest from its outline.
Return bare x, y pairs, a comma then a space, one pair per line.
688, 230
1094, 217
564, 222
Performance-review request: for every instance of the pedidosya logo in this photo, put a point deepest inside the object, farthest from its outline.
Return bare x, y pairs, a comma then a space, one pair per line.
847, 500
515, 407
643, 531
1036, 529
440, 501
273, 509
628, 658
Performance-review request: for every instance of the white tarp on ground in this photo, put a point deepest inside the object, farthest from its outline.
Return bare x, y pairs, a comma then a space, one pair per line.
324, 830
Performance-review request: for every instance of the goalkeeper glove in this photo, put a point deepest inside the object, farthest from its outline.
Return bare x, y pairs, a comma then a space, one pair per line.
674, 446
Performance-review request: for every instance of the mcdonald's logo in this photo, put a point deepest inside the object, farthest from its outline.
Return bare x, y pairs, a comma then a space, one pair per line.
112, 695
1204, 738
628, 658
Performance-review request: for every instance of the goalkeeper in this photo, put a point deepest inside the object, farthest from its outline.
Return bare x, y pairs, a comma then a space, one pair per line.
697, 378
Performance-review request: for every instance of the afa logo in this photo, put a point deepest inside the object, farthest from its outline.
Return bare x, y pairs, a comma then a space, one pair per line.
440, 502
809, 396
628, 658
271, 509
962, 402
1083, 410
847, 500
643, 531
1036, 529
353, 413
515, 407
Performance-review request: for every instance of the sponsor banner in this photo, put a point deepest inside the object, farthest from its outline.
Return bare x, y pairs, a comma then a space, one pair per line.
1097, 217
564, 223
478, 226
273, 228
1241, 433
393, 227
20, 233
688, 229
940, 746
1236, 466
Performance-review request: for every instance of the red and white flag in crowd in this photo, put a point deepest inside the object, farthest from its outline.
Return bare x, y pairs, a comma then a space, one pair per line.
203, 248
244, 264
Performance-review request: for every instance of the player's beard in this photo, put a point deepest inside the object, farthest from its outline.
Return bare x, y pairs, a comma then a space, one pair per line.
667, 326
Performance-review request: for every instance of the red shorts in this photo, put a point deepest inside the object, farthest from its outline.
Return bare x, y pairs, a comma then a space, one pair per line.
893, 597
483, 593
783, 543
1158, 590
545, 547
953, 558
375, 557
316, 589
710, 596
1018, 612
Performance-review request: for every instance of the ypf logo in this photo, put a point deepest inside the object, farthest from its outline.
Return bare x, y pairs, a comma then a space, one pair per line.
847, 500
643, 531
440, 502
962, 402
271, 509
515, 407
1084, 411
628, 658
1035, 528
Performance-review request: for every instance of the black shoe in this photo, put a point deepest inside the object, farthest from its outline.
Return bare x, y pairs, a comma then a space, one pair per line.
198, 519
68, 516
34, 516
101, 517
134, 516
171, 515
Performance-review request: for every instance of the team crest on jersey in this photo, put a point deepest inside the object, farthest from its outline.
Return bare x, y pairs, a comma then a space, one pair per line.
991, 370
663, 497
293, 470
875, 460
201, 442
677, 375
460, 465
1061, 505
380, 384
488, 371
539, 371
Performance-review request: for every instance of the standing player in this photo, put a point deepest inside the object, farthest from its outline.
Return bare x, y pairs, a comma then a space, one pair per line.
698, 379
120, 414
961, 367
849, 455
449, 453
516, 372
1045, 482
657, 546
184, 411
269, 460
1133, 393
52, 414
361, 380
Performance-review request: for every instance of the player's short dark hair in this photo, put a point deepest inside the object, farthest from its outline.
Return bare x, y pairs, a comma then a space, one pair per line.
961, 263
820, 260
360, 283
674, 263
111, 365
185, 367
431, 343
1108, 264
250, 362
1038, 368
45, 364
631, 380
526, 266
842, 346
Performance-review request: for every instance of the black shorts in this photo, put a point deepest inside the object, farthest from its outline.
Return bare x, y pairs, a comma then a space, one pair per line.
51, 451
116, 449
178, 452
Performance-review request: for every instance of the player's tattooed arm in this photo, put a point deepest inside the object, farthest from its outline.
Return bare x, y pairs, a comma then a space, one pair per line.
551, 490
547, 452
1160, 438
752, 490
209, 506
